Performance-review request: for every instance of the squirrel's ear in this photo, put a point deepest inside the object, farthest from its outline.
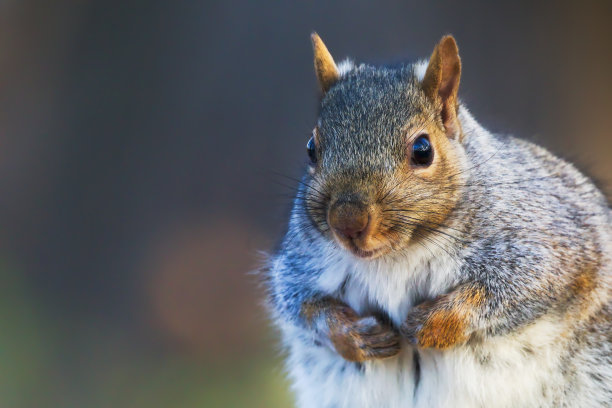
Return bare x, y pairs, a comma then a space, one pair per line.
325, 67
441, 81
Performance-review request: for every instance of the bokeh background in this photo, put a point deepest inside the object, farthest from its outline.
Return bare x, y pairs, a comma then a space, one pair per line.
144, 150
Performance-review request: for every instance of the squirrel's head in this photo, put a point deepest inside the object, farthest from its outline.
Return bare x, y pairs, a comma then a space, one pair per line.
386, 154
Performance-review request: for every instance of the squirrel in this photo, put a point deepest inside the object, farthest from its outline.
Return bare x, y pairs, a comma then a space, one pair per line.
431, 263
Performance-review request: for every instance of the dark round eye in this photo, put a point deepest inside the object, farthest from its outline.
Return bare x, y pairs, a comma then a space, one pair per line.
422, 151
312, 150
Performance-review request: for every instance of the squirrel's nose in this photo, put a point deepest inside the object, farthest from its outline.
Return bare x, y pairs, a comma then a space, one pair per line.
348, 219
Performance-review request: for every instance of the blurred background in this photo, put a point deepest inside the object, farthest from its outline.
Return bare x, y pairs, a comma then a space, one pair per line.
140, 147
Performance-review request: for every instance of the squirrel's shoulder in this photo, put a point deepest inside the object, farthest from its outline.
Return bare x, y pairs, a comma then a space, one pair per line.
506, 160
519, 191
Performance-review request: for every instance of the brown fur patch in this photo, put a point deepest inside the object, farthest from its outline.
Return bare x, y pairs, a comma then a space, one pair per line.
446, 321
581, 288
472, 296
443, 328
585, 281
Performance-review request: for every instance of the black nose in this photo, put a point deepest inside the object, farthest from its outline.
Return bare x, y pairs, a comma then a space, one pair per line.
348, 219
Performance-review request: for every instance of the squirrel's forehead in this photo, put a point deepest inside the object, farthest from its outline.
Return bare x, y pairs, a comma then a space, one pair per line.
361, 127
370, 102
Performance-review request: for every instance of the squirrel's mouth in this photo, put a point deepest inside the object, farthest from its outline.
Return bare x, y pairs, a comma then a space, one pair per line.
371, 254
361, 252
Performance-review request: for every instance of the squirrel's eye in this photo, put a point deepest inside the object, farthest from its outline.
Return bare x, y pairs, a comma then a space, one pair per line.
312, 150
422, 151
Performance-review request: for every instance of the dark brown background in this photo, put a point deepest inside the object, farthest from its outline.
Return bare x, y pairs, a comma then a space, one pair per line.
139, 143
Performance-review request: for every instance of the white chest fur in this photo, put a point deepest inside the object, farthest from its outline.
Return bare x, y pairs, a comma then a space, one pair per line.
389, 285
512, 371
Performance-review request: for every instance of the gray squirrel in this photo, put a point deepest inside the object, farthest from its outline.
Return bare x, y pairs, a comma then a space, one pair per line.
431, 263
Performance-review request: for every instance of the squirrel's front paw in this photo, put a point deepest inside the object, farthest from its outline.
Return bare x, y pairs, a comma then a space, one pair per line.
430, 326
361, 338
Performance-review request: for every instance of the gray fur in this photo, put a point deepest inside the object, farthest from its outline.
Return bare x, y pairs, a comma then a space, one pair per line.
524, 227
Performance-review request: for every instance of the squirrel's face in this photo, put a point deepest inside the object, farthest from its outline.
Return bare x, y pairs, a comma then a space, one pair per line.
386, 161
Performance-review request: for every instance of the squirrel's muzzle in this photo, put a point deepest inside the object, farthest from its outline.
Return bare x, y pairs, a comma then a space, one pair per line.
349, 219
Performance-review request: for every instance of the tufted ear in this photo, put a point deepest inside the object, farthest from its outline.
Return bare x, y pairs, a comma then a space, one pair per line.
441, 82
325, 67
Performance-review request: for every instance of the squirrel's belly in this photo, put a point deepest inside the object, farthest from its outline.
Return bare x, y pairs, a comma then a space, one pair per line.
506, 372
323, 379
514, 371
